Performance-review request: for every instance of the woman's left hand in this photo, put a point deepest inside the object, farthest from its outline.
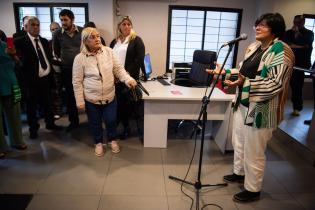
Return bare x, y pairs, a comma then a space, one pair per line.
239, 81
132, 83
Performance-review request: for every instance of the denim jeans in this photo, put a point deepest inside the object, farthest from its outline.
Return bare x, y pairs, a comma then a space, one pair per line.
96, 114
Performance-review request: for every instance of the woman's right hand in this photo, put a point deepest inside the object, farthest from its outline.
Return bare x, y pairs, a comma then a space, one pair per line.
10, 51
81, 108
216, 70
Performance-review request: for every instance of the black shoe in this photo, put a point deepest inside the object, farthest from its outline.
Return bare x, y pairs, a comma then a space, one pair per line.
307, 122
246, 196
20, 147
234, 178
33, 135
72, 126
53, 127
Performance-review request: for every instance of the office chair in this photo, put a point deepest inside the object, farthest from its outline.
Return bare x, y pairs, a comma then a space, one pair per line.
198, 77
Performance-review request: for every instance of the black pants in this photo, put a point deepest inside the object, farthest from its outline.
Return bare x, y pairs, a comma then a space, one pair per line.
38, 94
123, 105
72, 110
127, 108
296, 83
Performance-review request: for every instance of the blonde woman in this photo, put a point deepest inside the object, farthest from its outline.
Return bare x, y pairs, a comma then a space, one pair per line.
94, 70
130, 50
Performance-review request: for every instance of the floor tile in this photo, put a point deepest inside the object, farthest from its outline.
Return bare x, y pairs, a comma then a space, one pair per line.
182, 202
272, 202
133, 150
64, 202
307, 200
76, 177
133, 202
129, 178
22, 176
294, 178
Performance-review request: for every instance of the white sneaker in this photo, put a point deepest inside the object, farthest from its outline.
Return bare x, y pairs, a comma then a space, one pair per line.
99, 150
115, 147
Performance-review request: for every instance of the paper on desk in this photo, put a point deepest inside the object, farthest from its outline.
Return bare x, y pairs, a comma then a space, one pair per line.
176, 92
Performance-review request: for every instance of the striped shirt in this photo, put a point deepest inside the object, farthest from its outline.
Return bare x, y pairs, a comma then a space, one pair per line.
265, 95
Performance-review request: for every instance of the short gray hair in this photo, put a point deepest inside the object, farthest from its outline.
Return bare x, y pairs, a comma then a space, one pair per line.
32, 19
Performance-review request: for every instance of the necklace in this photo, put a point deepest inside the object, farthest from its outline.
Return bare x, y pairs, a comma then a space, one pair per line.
258, 53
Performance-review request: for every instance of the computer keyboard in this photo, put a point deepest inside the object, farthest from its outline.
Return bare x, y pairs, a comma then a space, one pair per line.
163, 82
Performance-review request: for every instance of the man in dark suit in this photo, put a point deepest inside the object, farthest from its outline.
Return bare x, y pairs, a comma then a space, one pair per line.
36, 76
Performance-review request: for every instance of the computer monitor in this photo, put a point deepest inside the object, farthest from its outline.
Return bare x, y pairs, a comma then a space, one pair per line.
147, 65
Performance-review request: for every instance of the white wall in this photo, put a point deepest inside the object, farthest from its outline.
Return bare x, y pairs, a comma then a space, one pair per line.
100, 11
287, 8
150, 20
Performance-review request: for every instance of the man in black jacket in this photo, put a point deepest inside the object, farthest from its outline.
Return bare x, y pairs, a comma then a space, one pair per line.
300, 40
308, 122
66, 45
36, 76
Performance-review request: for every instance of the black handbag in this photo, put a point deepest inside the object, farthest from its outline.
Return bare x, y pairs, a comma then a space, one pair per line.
131, 94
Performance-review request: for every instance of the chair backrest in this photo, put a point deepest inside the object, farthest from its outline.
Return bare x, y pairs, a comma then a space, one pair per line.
202, 60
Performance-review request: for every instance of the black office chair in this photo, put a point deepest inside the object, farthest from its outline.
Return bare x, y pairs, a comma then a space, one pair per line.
198, 77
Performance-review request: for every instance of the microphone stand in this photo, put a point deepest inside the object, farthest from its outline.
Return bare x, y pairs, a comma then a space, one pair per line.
203, 114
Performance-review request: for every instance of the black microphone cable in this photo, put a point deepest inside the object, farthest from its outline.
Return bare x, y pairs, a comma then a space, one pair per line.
193, 156
188, 170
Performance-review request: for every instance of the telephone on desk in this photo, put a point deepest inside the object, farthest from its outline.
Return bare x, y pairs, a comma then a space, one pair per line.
161, 79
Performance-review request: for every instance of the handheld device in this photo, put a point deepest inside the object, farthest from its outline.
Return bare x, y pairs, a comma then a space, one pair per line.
10, 42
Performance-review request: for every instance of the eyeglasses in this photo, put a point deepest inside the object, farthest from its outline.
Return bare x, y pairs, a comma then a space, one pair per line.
262, 26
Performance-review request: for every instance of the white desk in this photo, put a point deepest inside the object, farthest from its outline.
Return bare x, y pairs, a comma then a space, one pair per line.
185, 103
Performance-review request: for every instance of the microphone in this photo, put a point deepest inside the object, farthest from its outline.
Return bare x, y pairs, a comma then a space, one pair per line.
142, 88
241, 37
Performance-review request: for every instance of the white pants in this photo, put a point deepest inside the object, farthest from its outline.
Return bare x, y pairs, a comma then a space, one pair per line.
249, 145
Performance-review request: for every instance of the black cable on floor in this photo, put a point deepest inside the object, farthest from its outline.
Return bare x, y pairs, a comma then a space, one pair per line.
191, 160
190, 163
211, 204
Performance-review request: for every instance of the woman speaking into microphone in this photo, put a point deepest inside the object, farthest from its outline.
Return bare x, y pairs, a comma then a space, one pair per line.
262, 80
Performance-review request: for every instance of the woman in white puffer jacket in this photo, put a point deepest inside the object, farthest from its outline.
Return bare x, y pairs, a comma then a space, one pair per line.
94, 73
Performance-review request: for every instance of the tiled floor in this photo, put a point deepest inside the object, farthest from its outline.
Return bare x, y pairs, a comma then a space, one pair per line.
63, 173
295, 127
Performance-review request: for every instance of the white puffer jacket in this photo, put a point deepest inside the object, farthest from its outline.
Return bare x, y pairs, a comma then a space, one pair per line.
94, 75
